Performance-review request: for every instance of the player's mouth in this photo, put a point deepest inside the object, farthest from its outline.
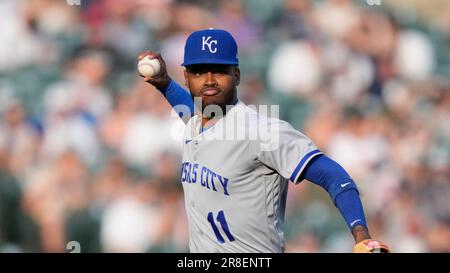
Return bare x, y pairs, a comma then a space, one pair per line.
210, 92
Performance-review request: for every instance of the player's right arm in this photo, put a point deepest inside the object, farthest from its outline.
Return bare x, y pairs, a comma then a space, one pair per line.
294, 156
178, 97
332, 177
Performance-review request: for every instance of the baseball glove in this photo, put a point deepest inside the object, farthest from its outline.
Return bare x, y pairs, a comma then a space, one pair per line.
371, 246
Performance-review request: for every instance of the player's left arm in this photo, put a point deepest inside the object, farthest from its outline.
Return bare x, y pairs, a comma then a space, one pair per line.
328, 174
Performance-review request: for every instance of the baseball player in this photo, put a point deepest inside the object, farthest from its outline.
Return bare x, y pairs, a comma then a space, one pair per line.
235, 188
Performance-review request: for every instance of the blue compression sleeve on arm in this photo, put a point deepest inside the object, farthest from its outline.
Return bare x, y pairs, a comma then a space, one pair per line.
350, 206
328, 174
177, 96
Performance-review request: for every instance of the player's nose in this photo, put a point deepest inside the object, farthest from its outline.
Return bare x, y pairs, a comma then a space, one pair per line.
210, 79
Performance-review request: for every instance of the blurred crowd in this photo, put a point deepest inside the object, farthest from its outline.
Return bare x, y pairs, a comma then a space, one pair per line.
90, 153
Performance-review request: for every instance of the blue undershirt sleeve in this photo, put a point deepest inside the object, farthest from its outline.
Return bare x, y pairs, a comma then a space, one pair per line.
350, 207
328, 174
180, 100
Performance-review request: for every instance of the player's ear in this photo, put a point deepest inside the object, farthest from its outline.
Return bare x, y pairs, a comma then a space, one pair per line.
237, 74
186, 78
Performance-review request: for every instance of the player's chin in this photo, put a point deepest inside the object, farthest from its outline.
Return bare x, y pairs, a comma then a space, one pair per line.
213, 104
216, 99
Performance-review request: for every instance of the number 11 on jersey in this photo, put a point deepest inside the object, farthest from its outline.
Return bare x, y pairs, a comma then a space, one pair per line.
223, 223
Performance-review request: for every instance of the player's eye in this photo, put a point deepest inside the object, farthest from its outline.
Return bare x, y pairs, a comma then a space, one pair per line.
197, 72
220, 69
201, 71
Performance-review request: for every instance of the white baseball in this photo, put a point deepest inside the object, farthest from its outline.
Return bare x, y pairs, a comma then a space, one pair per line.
148, 67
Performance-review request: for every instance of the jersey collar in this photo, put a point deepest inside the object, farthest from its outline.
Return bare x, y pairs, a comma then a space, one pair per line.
197, 132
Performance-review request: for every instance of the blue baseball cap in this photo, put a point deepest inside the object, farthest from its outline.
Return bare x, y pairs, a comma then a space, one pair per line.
210, 46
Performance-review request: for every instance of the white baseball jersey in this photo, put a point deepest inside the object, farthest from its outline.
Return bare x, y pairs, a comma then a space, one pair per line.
235, 178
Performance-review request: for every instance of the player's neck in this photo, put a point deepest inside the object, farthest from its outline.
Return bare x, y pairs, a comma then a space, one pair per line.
208, 121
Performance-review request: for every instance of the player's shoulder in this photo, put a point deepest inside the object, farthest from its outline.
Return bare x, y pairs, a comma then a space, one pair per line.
263, 115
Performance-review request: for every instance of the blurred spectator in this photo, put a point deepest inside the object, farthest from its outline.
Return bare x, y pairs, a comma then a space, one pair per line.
232, 16
18, 137
74, 108
53, 192
336, 18
10, 208
295, 68
294, 22
151, 130
21, 41
131, 223
414, 56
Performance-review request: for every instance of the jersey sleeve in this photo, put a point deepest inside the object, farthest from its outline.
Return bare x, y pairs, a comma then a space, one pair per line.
285, 149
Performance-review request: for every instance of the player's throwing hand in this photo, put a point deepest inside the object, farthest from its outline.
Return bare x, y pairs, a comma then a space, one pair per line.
161, 79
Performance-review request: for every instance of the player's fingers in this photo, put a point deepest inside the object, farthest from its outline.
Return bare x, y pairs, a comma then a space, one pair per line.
157, 55
142, 55
149, 54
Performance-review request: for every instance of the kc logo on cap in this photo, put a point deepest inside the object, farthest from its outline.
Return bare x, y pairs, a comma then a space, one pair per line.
206, 41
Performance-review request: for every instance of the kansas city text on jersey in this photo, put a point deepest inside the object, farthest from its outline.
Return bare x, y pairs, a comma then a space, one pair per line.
190, 173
